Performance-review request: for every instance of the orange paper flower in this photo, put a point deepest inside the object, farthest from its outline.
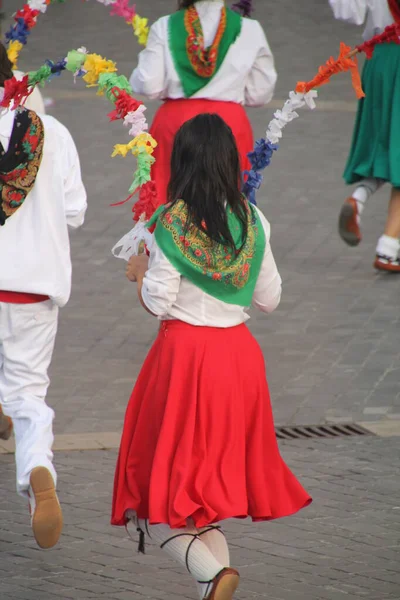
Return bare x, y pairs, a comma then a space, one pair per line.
332, 66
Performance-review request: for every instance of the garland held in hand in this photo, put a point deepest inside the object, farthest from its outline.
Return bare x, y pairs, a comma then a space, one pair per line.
102, 73
304, 95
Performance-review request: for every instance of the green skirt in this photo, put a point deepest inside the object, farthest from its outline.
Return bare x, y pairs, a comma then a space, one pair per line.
375, 150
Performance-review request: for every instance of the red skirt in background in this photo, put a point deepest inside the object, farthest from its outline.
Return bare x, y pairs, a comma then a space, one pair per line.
174, 113
198, 441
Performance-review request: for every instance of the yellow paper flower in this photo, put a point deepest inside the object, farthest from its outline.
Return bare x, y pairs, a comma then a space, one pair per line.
122, 149
95, 65
141, 29
14, 48
144, 140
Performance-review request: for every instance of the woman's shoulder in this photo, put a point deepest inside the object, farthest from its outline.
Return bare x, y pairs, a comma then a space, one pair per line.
160, 27
253, 28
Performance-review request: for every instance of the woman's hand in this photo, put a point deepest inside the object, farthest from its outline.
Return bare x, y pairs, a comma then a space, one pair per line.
137, 267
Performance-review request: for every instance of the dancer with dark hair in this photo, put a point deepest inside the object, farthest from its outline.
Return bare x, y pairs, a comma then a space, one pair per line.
203, 58
41, 194
198, 444
374, 156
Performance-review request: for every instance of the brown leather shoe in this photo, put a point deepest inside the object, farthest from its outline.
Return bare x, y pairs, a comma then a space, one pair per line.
47, 520
349, 229
385, 263
224, 585
6, 426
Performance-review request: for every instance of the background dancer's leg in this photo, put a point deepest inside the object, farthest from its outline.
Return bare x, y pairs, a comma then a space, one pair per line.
388, 248
349, 218
27, 335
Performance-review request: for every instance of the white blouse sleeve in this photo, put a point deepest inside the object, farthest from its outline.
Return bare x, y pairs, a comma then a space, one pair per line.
149, 77
268, 290
160, 284
352, 11
261, 80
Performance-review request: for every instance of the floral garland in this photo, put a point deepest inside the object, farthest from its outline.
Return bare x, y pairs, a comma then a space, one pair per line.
26, 19
203, 61
101, 73
304, 95
139, 24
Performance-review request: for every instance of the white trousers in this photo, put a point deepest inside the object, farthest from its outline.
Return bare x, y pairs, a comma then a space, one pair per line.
27, 335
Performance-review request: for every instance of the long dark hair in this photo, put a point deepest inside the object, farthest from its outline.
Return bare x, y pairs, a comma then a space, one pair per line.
205, 173
6, 71
185, 3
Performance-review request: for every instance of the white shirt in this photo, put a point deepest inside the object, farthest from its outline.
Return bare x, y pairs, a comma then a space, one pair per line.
168, 295
246, 76
34, 100
34, 243
376, 13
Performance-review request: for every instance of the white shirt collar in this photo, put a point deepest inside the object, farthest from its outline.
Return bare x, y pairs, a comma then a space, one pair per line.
6, 127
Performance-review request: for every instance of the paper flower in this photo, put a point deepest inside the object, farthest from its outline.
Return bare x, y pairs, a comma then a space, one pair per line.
28, 15
137, 121
19, 32
121, 8
109, 82
124, 104
252, 184
14, 48
143, 142
40, 76
39, 5
141, 29
261, 155
143, 171
344, 62
15, 92
147, 203
94, 66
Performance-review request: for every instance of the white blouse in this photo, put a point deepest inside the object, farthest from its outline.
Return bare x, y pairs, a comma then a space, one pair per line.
376, 13
246, 76
168, 295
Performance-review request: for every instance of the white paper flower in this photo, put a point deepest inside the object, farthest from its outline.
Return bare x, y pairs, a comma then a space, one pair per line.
40, 5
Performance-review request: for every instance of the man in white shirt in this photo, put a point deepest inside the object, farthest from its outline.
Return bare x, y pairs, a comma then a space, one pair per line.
41, 194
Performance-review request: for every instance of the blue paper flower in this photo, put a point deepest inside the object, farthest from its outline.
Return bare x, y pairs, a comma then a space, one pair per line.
253, 183
56, 68
261, 156
18, 32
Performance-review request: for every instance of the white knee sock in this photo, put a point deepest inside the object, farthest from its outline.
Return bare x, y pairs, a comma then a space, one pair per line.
388, 246
214, 538
366, 188
186, 547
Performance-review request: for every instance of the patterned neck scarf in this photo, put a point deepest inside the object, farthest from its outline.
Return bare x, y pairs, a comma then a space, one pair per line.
394, 6
222, 272
195, 64
20, 164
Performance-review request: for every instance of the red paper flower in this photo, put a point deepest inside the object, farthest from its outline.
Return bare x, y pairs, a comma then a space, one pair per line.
124, 103
147, 202
28, 15
15, 91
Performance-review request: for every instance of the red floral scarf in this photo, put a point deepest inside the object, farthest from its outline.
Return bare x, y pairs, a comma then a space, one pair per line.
20, 164
394, 6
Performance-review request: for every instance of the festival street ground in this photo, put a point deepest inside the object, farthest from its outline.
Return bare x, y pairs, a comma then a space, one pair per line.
331, 348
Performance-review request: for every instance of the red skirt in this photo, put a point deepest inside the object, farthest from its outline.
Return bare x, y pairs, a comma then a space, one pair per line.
198, 441
174, 113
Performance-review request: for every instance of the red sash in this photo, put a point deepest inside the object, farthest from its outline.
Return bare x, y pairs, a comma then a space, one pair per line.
394, 6
21, 297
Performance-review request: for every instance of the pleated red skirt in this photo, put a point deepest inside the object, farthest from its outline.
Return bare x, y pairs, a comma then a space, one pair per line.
198, 441
174, 113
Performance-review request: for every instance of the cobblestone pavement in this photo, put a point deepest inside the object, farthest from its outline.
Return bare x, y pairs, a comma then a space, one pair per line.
344, 546
332, 347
